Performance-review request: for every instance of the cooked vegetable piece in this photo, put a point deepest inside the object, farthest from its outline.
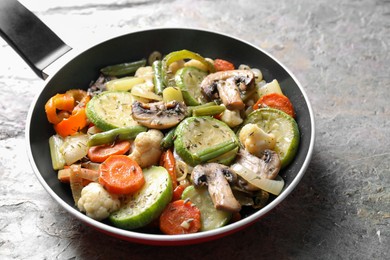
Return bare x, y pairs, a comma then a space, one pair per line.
158, 77
144, 206
229, 86
167, 141
217, 178
159, 115
223, 65
271, 186
268, 88
111, 109
181, 55
146, 150
63, 102
101, 152
57, 158
282, 126
208, 111
96, 202
168, 162
67, 111
211, 218
172, 94
119, 174
123, 69
188, 79
123, 84
116, 134
180, 217
72, 124
200, 139
87, 175
276, 100
74, 148
76, 182
178, 191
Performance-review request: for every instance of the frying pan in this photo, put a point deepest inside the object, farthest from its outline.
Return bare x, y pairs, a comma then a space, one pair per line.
39, 46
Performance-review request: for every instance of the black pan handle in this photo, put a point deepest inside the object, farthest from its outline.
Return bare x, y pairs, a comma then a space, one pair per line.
29, 36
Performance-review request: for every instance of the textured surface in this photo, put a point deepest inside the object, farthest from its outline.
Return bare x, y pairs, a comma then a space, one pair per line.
339, 50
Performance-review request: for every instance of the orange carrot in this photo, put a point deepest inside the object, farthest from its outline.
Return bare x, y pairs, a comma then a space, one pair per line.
222, 65
120, 174
177, 192
180, 217
100, 153
168, 162
277, 101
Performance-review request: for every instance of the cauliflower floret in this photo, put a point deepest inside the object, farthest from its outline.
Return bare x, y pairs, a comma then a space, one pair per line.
96, 202
255, 140
147, 149
231, 117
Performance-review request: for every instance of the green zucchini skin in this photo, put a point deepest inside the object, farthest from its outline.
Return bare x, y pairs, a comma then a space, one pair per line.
202, 139
188, 79
111, 109
211, 218
147, 204
283, 126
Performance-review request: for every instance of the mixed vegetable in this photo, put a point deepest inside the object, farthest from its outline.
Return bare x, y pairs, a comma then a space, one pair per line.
185, 143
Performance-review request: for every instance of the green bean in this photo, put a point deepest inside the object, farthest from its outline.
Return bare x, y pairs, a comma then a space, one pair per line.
208, 111
167, 141
157, 77
215, 151
123, 69
110, 136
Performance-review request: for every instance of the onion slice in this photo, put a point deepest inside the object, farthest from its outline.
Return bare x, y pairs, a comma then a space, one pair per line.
271, 186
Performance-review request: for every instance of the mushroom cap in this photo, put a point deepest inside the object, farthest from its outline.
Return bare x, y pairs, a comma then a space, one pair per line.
267, 167
217, 177
228, 85
159, 115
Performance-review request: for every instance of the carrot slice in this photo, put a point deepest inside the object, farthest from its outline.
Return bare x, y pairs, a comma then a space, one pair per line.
100, 153
277, 101
223, 65
120, 174
168, 162
180, 217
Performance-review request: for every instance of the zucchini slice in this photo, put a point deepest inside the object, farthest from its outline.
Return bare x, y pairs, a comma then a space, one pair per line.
283, 126
144, 206
211, 217
111, 109
188, 79
205, 139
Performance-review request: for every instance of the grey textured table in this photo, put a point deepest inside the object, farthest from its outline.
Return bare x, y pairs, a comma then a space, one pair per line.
339, 50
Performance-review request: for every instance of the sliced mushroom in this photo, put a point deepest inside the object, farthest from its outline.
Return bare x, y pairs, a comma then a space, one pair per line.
266, 167
228, 86
217, 177
159, 115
